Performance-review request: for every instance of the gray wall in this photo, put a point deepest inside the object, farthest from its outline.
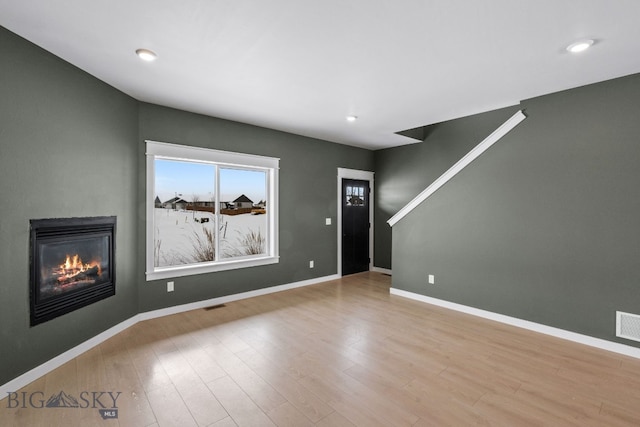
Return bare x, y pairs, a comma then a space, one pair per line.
544, 226
67, 148
402, 173
308, 182
62, 127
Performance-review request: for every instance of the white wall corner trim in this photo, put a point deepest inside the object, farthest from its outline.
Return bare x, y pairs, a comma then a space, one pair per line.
495, 136
525, 324
37, 372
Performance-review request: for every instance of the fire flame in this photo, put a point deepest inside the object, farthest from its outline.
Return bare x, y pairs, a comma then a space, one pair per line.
73, 266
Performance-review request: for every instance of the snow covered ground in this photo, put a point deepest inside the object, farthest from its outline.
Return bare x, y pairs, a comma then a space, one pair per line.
178, 237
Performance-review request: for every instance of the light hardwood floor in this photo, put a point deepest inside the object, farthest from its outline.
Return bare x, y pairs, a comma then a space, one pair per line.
341, 353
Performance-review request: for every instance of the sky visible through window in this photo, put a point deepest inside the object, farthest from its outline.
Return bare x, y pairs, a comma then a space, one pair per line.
188, 179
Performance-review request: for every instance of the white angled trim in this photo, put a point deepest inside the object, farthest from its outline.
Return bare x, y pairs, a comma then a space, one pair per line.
525, 324
461, 164
37, 372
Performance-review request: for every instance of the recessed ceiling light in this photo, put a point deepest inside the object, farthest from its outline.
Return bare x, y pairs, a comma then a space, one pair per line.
580, 45
146, 54
352, 118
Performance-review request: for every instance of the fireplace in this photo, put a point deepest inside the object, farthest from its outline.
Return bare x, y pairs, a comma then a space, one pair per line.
72, 264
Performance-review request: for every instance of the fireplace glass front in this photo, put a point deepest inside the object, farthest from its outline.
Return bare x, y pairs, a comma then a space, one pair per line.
72, 264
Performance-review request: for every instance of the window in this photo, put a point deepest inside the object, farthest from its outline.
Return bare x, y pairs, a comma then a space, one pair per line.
354, 196
209, 210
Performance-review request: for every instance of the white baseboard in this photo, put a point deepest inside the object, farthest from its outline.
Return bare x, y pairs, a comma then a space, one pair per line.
381, 270
525, 324
61, 359
37, 372
230, 298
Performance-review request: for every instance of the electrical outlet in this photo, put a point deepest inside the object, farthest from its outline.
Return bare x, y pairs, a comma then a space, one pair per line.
310, 264
432, 279
169, 286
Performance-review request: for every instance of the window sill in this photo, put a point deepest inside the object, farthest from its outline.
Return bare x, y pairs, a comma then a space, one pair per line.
190, 270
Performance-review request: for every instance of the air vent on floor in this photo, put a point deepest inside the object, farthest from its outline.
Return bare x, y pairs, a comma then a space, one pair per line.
213, 307
628, 326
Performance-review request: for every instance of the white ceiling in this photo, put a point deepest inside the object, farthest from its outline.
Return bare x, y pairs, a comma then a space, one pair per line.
302, 66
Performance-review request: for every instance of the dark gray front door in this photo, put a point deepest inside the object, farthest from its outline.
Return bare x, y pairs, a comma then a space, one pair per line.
355, 226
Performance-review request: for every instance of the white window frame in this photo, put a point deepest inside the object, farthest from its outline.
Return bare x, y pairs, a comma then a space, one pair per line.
270, 165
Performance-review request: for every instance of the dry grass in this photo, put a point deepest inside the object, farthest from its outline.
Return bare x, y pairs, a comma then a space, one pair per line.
250, 243
203, 247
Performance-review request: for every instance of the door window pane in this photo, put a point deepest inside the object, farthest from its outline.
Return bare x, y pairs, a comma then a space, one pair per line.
354, 196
